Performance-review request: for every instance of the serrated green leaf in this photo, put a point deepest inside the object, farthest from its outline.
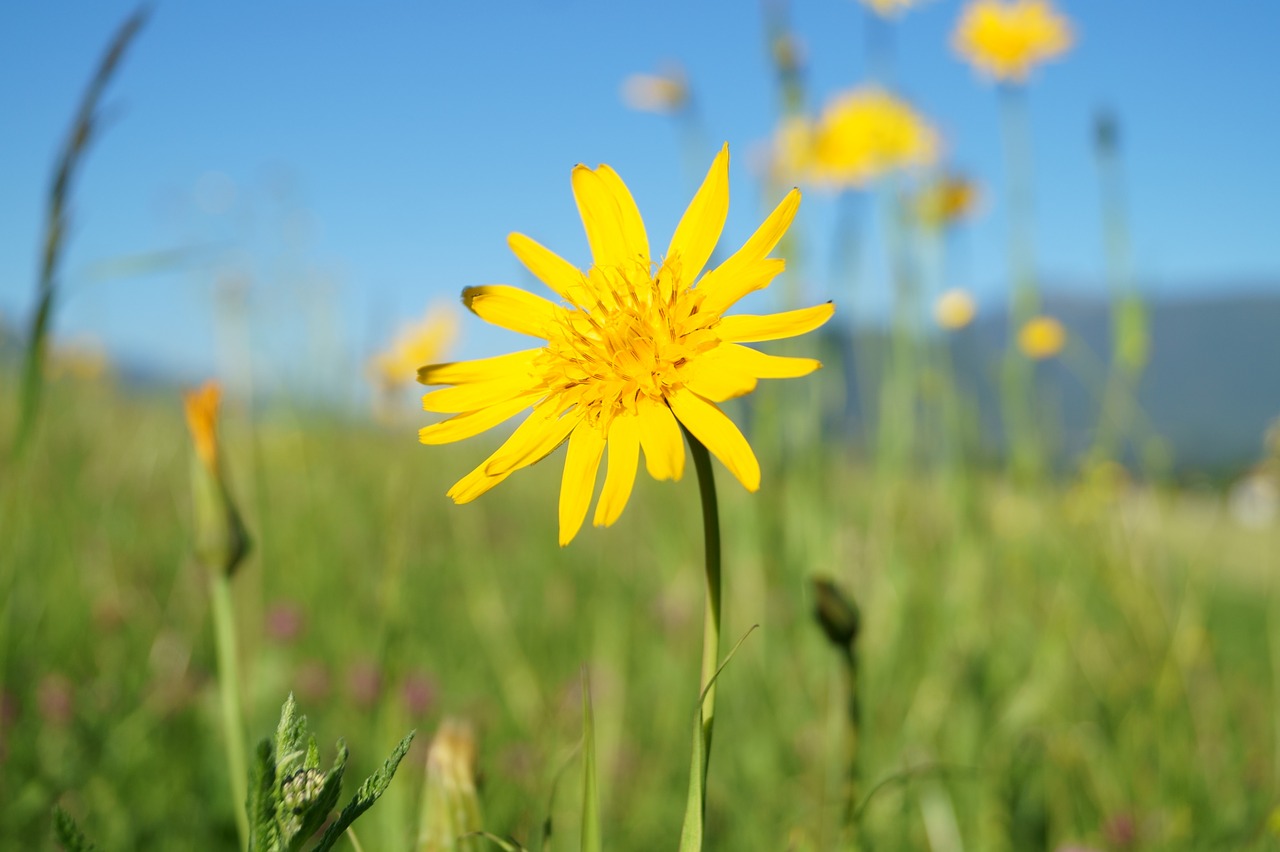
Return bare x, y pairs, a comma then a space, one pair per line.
313, 754
590, 790
694, 815
369, 791
291, 739
70, 837
264, 833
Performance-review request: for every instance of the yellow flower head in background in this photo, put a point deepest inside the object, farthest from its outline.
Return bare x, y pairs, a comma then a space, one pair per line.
201, 406
1007, 39
1041, 337
421, 343
889, 8
945, 201
637, 352
955, 309
666, 92
860, 136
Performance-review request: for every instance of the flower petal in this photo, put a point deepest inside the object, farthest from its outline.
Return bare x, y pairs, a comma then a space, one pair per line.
699, 229
564, 279
601, 219
718, 434
633, 232
763, 241
476, 395
624, 459
479, 370
762, 366
716, 376
474, 422
536, 438
481, 480
745, 328
722, 290
512, 308
578, 482
663, 444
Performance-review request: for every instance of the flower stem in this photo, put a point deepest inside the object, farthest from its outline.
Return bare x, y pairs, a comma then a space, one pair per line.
711, 626
229, 687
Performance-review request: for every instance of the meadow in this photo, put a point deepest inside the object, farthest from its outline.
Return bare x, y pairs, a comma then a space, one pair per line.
1084, 662
930, 620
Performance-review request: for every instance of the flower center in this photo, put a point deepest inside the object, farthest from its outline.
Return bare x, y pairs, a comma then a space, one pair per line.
638, 338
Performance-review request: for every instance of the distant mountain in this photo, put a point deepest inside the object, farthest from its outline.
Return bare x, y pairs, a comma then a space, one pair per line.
1210, 389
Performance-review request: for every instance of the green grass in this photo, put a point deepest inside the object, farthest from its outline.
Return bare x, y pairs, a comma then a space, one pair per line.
1053, 662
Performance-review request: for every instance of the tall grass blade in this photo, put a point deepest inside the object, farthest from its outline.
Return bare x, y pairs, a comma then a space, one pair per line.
590, 789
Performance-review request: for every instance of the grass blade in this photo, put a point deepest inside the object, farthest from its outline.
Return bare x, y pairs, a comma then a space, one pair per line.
590, 790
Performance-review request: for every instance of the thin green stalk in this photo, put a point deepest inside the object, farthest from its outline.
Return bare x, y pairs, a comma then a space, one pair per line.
229, 687
1018, 375
711, 625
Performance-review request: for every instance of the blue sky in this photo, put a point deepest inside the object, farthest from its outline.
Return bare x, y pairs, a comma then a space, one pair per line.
355, 162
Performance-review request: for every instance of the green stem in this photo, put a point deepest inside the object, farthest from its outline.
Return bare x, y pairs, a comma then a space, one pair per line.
711, 627
229, 687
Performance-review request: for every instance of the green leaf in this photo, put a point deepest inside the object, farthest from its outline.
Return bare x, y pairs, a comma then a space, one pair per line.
691, 831
590, 790
291, 740
70, 837
264, 833
369, 791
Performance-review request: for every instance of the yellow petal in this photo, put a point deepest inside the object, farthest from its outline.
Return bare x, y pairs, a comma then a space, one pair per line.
564, 279
477, 395
718, 434
746, 328
663, 444
699, 229
624, 459
633, 232
764, 366
601, 219
716, 376
758, 247
581, 465
479, 370
536, 438
474, 484
481, 479
512, 308
722, 290
474, 422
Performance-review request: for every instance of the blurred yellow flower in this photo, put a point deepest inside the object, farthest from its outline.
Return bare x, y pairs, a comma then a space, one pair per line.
955, 309
666, 92
1041, 337
638, 351
889, 8
1007, 39
201, 407
417, 344
945, 200
860, 136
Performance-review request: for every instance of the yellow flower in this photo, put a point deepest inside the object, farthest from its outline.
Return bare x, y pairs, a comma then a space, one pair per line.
637, 352
861, 136
945, 201
889, 8
201, 407
1041, 337
666, 92
417, 344
1006, 39
954, 309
